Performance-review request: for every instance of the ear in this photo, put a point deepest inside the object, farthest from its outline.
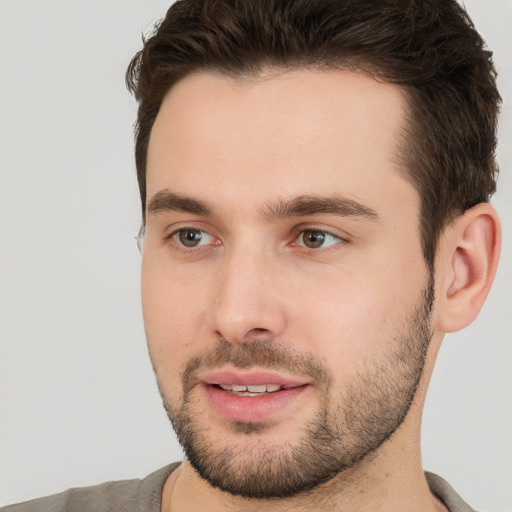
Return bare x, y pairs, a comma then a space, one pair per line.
467, 262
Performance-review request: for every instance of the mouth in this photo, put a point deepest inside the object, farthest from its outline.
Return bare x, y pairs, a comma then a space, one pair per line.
248, 390
253, 396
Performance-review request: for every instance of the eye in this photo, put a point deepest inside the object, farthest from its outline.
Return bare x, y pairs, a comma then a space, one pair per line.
190, 237
315, 239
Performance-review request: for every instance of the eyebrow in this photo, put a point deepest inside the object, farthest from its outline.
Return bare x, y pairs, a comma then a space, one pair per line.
305, 205
167, 201
300, 206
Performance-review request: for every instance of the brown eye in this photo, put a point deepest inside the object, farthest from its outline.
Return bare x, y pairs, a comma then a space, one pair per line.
315, 239
190, 237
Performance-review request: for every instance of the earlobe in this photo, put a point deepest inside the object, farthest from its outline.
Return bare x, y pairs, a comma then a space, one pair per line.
470, 254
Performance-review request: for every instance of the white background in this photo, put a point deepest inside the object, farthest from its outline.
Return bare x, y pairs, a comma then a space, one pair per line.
78, 400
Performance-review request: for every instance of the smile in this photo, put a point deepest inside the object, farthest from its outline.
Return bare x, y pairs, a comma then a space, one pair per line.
254, 396
241, 390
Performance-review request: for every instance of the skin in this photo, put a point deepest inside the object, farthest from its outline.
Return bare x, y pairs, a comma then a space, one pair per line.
253, 279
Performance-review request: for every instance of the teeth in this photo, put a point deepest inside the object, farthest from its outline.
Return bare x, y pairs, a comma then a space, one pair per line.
257, 389
265, 388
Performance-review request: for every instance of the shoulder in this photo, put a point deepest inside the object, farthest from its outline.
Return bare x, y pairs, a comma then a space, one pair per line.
445, 492
108, 496
119, 496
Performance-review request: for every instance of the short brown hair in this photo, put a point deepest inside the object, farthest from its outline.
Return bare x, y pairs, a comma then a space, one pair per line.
430, 48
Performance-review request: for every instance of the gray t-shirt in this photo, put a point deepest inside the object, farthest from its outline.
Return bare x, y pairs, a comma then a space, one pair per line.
145, 496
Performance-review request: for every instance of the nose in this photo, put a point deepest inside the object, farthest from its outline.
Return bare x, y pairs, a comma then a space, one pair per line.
247, 303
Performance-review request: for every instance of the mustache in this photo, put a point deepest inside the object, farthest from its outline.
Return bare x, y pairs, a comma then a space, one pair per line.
262, 354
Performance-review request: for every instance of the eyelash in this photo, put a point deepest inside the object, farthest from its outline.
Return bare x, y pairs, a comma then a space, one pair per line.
326, 234
180, 247
296, 235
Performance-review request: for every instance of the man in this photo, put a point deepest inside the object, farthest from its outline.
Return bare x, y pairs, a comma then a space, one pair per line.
314, 180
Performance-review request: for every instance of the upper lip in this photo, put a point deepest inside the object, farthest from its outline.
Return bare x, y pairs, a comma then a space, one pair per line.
250, 378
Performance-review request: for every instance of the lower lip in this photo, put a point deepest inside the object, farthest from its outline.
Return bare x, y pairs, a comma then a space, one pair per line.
251, 409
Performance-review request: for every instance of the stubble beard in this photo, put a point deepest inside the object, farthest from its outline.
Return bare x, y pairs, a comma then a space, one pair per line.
368, 411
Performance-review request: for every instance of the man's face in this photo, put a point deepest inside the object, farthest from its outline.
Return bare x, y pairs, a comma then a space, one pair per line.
285, 296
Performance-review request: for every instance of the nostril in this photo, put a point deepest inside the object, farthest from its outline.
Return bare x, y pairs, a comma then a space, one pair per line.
258, 333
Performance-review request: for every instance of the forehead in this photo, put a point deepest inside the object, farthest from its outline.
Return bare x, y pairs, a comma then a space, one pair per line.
285, 133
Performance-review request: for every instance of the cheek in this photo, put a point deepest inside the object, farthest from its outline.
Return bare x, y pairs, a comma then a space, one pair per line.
342, 324
353, 316
173, 315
